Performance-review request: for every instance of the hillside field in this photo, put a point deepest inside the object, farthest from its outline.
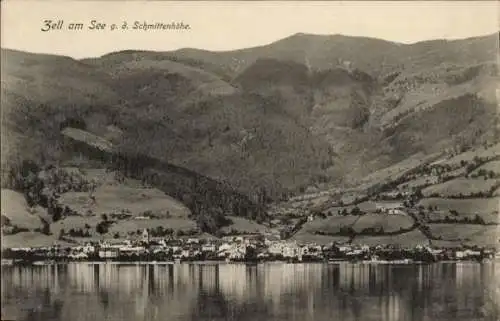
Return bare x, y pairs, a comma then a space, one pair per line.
124, 199
31, 239
243, 225
330, 225
367, 206
303, 236
464, 206
409, 239
16, 209
389, 223
493, 166
459, 209
461, 186
469, 156
132, 225
468, 233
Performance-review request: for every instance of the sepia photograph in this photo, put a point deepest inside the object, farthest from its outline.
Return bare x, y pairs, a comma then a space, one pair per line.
250, 160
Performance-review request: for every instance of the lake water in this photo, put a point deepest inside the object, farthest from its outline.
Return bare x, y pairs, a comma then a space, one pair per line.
302, 292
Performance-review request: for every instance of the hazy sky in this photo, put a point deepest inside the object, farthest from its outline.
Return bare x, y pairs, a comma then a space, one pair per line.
232, 25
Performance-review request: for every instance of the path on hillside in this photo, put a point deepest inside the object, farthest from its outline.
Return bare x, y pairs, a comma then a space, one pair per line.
420, 223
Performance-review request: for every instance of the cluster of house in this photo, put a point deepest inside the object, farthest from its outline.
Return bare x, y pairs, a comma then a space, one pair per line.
243, 248
391, 208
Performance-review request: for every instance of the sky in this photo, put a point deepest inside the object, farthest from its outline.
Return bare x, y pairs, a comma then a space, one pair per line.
232, 25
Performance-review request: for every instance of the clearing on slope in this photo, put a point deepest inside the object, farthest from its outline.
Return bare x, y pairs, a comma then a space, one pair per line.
468, 233
329, 225
31, 239
388, 223
242, 225
123, 199
409, 239
19, 214
463, 206
462, 187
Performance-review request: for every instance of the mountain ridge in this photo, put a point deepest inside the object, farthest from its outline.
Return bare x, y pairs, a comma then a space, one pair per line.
313, 40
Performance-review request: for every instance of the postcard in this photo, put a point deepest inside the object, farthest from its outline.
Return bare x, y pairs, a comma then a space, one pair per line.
251, 160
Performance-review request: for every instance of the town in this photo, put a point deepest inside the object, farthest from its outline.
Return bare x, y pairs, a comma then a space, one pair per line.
247, 249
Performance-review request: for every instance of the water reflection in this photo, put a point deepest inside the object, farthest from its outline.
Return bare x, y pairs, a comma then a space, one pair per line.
462, 291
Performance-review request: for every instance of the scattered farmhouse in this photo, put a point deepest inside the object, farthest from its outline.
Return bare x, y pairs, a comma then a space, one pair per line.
393, 208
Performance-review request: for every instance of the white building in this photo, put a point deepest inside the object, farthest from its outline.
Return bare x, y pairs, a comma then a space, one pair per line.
208, 248
193, 241
224, 247
78, 256
291, 250
395, 211
390, 207
108, 253
344, 248
275, 248
237, 252
133, 249
145, 236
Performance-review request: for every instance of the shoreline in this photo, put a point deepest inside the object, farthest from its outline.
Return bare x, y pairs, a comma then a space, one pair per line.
161, 263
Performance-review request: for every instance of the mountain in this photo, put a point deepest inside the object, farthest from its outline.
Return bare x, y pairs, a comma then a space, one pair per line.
374, 56
305, 112
40, 93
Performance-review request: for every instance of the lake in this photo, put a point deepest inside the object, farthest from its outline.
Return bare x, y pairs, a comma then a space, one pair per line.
302, 292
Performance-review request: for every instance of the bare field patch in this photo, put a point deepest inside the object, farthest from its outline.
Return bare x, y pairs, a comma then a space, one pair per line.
87, 223
367, 206
330, 225
493, 166
469, 233
463, 206
435, 217
31, 239
415, 183
447, 244
409, 239
461, 186
134, 225
460, 209
469, 156
124, 199
389, 223
16, 209
244, 225
306, 237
